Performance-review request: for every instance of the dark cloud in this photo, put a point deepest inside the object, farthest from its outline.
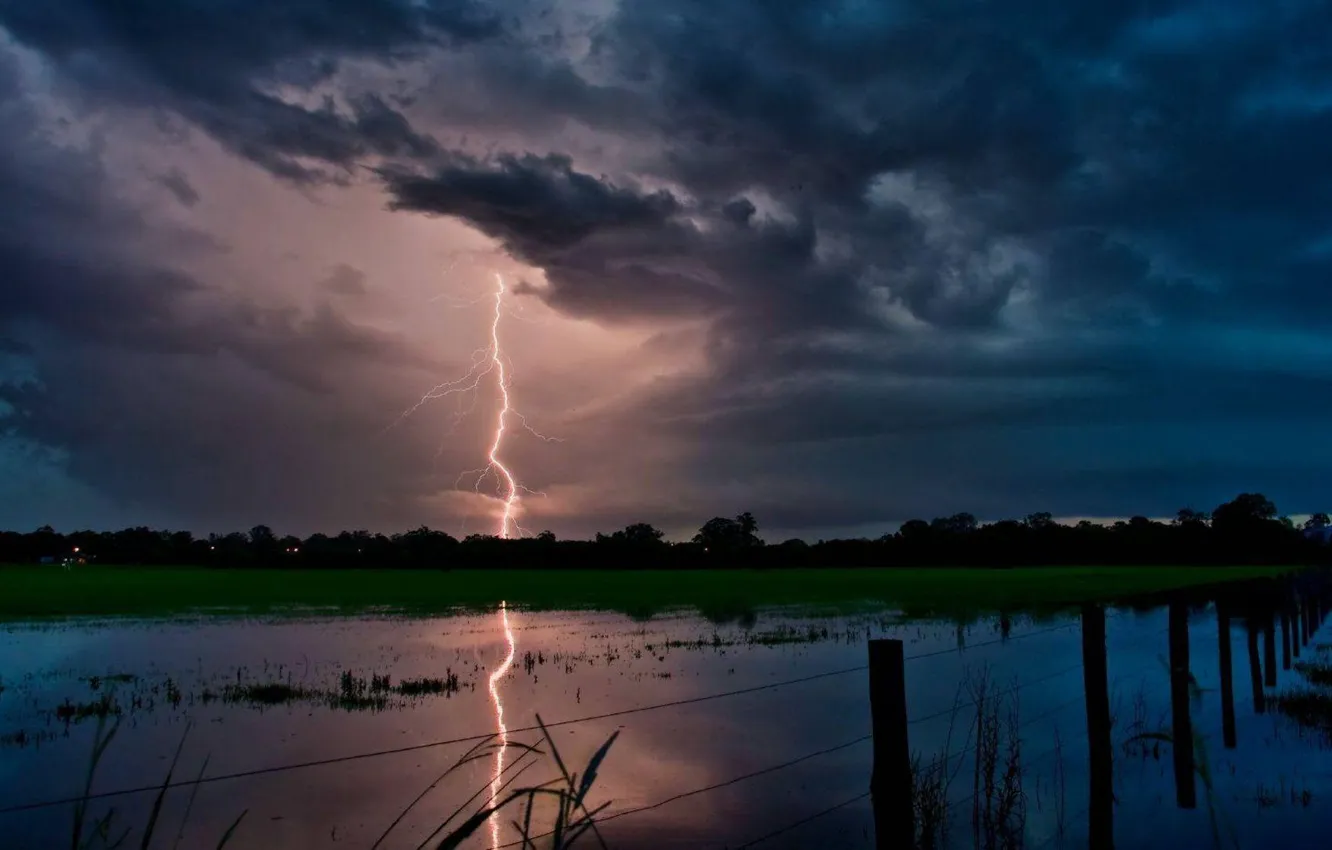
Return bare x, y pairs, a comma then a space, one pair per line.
537, 205
216, 64
606, 249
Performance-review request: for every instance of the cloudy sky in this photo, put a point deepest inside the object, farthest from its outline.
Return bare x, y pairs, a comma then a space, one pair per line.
836, 263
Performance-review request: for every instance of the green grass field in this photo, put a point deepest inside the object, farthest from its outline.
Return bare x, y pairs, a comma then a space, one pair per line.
33, 593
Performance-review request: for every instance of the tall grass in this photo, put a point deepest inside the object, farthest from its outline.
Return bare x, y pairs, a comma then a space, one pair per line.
999, 800
99, 833
567, 794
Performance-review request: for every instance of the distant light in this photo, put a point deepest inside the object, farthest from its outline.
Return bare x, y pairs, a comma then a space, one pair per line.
76, 548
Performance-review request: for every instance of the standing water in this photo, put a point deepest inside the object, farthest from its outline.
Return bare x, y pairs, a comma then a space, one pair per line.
1192, 721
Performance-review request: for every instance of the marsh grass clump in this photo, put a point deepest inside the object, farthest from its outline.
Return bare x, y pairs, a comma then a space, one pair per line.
1310, 708
1318, 669
261, 694
788, 635
1317, 672
929, 802
447, 686
18, 739
356, 693
76, 712
1295, 796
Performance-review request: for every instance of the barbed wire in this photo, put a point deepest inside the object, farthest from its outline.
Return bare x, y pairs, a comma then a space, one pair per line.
799, 823
716, 786
469, 739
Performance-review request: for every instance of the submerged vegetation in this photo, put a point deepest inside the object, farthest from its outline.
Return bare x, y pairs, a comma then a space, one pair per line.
998, 800
1310, 705
353, 693
1318, 671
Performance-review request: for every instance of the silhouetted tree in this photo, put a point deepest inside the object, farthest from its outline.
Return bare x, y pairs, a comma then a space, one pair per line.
1190, 517
720, 535
1245, 512
639, 535
962, 523
1040, 521
914, 530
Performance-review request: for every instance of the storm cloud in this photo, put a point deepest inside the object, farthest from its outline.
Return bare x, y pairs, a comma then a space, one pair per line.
870, 261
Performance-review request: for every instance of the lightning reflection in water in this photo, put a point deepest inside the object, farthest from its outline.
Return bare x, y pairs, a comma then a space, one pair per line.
500, 729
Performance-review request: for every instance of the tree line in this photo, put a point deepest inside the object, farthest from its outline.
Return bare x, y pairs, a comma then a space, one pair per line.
1245, 530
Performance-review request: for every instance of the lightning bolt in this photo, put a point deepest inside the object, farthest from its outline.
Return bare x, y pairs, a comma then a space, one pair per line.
484, 363
497, 364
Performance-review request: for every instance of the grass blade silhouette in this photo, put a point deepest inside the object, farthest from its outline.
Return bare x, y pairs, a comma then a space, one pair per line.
477, 751
590, 774
189, 805
455, 839
483, 789
231, 830
156, 812
81, 807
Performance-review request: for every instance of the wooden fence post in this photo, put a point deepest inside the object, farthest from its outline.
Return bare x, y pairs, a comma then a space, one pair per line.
1285, 639
1297, 605
1307, 607
1269, 651
890, 782
1186, 793
1255, 667
1228, 736
1096, 685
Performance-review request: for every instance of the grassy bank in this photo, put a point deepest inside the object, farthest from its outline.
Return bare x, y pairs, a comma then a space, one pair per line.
50, 592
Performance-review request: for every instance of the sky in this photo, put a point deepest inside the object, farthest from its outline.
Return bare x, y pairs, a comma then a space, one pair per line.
838, 264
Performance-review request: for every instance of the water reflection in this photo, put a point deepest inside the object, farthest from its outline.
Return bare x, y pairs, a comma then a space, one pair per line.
1104, 699
501, 731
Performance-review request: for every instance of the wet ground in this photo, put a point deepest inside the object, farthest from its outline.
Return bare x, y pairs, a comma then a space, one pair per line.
371, 701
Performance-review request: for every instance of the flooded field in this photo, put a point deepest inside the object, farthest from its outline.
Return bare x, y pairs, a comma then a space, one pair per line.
752, 732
